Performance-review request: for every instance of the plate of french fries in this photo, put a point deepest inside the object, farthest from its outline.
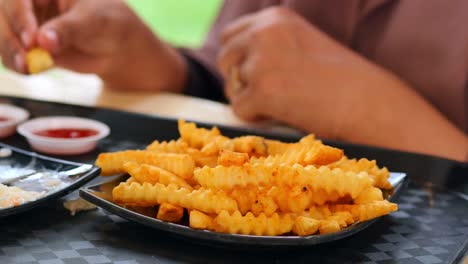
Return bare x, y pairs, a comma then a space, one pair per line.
245, 190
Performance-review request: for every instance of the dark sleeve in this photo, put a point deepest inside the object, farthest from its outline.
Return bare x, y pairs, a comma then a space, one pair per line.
201, 82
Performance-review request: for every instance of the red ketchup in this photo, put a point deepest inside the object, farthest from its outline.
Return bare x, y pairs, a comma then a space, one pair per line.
4, 119
67, 133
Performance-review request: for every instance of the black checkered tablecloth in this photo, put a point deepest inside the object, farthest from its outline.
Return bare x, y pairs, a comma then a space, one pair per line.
420, 232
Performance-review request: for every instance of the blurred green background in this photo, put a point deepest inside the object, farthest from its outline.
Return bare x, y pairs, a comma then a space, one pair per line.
182, 22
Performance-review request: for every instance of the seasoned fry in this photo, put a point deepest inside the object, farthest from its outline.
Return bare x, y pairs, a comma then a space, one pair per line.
197, 137
364, 212
303, 154
378, 175
369, 195
304, 226
153, 174
249, 224
199, 220
173, 146
231, 158
38, 60
170, 213
252, 145
147, 194
112, 163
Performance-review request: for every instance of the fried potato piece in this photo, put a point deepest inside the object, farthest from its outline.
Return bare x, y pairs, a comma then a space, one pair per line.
228, 178
379, 175
152, 174
197, 137
304, 226
329, 226
199, 220
317, 212
252, 145
314, 154
112, 163
249, 224
369, 195
201, 159
147, 194
173, 146
170, 213
231, 158
276, 147
364, 212
336, 180
38, 60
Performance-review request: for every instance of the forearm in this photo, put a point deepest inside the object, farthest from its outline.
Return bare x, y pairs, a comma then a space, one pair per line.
391, 114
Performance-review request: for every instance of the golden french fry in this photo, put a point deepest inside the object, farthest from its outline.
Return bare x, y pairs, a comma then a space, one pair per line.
153, 174
329, 226
369, 195
149, 195
379, 175
197, 137
231, 158
317, 212
170, 213
199, 220
249, 224
252, 145
304, 226
303, 154
112, 163
173, 146
38, 60
364, 212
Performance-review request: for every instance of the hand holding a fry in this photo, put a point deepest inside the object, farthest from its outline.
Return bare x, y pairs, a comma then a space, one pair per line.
104, 37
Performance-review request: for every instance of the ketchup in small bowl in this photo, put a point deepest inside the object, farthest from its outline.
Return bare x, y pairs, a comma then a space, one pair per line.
63, 135
10, 117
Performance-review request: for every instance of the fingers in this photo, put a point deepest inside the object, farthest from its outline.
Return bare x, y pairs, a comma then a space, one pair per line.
11, 50
20, 17
233, 53
247, 105
236, 27
59, 33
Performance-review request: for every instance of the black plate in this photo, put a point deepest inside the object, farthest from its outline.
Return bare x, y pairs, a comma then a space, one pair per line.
21, 158
101, 195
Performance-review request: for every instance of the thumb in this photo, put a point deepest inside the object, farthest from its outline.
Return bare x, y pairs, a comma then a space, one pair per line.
58, 34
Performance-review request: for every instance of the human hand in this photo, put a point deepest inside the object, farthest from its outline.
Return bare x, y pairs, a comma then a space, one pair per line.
290, 71
104, 37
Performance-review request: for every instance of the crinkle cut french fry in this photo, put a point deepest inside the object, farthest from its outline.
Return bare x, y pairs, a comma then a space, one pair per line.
231, 158
315, 154
364, 212
153, 174
199, 220
170, 213
379, 175
174, 146
369, 195
317, 212
149, 195
304, 226
249, 224
252, 145
197, 137
112, 163
228, 178
336, 180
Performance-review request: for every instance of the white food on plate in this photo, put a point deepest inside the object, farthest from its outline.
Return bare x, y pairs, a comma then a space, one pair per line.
14, 196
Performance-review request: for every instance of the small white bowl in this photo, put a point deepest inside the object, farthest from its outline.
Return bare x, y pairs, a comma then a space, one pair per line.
62, 146
15, 116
